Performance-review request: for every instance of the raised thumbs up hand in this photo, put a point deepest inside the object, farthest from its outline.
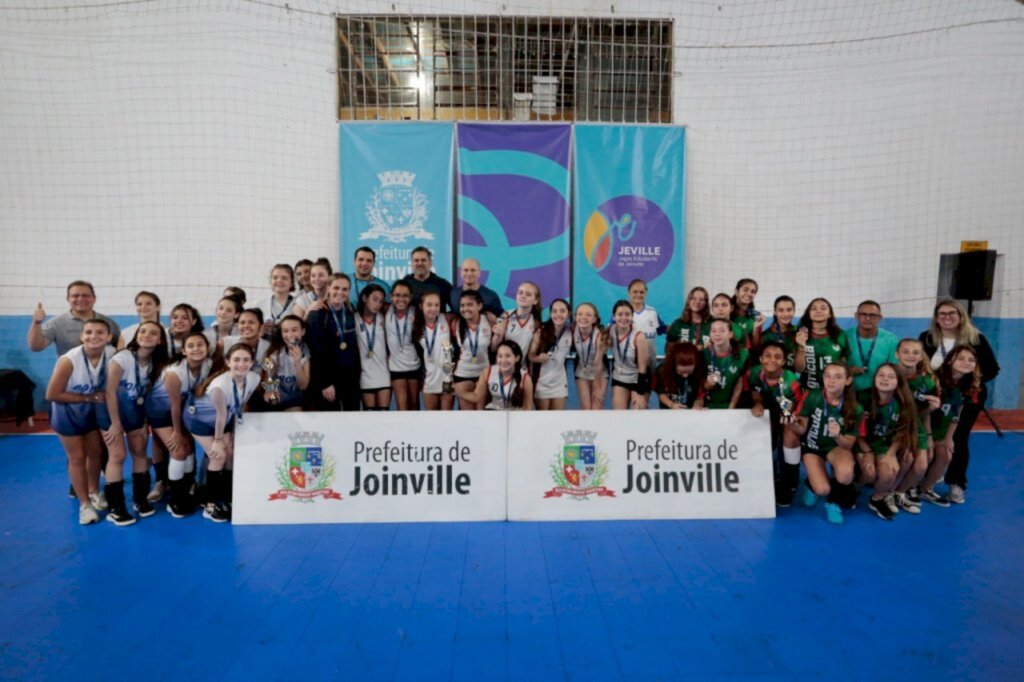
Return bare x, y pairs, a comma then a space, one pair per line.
38, 315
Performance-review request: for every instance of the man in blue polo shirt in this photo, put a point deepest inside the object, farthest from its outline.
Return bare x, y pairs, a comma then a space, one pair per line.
870, 346
362, 276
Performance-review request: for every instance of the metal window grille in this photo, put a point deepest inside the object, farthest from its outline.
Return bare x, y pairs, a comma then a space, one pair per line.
504, 68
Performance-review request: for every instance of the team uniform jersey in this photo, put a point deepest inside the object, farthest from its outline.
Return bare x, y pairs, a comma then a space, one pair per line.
201, 415
688, 332
921, 386
747, 324
787, 337
402, 356
552, 381
213, 335
373, 354
158, 402
500, 390
261, 348
132, 391
520, 332
786, 386
650, 324
679, 390
586, 353
286, 372
306, 299
729, 370
473, 351
435, 340
880, 428
737, 333
624, 356
948, 414
819, 353
128, 333
273, 311
78, 419
819, 412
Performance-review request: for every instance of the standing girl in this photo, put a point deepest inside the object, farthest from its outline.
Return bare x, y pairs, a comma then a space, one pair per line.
522, 322
185, 319
77, 393
679, 381
374, 379
287, 365
825, 342
590, 346
630, 380
334, 383
319, 279
924, 388
744, 313
225, 322
147, 305
404, 363
250, 321
132, 374
507, 385
726, 362
692, 325
281, 301
646, 320
549, 353
472, 336
219, 403
431, 334
785, 332
722, 309
829, 421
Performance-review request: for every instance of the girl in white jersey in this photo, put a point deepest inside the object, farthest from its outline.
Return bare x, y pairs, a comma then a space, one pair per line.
250, 322
549, 353
522, 322
404, 362
433, 339
219, 404
287, 364
315, 299
506, 385
630, 354
281, 300
130, 377
76, 391
472, 338
147, 305
590, 345
185, 319
225, 321
646, 320
166, 407
374, 377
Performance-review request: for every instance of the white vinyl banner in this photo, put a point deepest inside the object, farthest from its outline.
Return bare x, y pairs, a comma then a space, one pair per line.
657, 464
322, 467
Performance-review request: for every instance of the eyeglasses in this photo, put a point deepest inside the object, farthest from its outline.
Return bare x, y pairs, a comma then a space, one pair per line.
948, 314
870, 316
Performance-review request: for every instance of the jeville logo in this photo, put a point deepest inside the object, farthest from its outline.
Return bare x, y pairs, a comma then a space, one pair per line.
628, 237
307, 471
397, 210
580, 469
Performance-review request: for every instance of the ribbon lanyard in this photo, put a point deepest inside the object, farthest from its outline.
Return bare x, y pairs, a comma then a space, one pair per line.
339, 324
942, 348
404, 329
370, 334
277, 317
622, 347
138, 380
554, 346
838, 410
430, 340
589, 348
866, 360
98, 384
237, 408
192, 383
474, 339
501, 388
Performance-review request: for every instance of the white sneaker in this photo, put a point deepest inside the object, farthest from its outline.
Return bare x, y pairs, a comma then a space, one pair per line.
99, 500
890, 502
157, 493
956, 494
907, 504
87, 514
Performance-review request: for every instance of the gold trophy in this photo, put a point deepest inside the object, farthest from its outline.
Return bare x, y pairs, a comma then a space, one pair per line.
271, 383
447, 367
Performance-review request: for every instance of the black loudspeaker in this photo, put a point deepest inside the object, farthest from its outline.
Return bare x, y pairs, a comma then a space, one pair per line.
972, 276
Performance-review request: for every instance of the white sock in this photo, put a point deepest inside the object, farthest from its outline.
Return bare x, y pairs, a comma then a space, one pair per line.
791, 455
176, 469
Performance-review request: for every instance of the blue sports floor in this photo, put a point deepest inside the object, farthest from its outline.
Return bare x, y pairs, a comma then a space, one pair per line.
939, 596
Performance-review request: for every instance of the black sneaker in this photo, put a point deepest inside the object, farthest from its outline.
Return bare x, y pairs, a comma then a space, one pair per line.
180, 510
881, 509
120, 517
144, 508
216, 513
935, 498
71, 492
914, 495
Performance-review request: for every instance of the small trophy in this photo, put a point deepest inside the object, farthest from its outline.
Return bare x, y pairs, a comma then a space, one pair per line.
271, 383
786, 407
447, 367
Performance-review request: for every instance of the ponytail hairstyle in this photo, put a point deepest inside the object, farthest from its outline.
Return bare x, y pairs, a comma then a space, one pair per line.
969, 384
734, 345
831, 326
606, 335
160, 357
535, 310
223, 369
516, 397
325, 263
419, 321
735, 302
193, 315
151, 296
463, 325
687, 315
235, 302
548, 337
237, 293
905, 431
849, 397
365, 294
682, 353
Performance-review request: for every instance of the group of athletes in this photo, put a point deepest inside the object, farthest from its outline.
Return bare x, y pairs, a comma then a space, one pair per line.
857, 408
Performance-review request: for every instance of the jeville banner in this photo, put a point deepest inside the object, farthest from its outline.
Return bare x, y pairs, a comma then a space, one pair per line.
629, 214
396, 193
663, 464
339, 468
513, 205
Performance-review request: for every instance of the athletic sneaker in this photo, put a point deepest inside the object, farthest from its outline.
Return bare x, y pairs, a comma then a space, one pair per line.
890, 502
935, 498
99, 500
833, 512
157, 493
180, 510
914, 494
71, 492
907, 504
216, 513
881, 509
807, 496
87, 514
120, 517
144, 509
956, 494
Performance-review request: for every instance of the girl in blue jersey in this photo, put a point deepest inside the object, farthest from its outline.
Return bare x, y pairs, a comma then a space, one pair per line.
404, 363
147, 305
590, 344
630, 380
549, 353
219, 403
77, 391
506, 385
225, 321
130, 378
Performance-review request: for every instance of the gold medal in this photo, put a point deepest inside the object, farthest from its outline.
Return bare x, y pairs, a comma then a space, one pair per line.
343, 345
369, 355
140, 400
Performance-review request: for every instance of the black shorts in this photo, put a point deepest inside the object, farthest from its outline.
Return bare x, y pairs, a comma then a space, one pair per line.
456, 379
635, 388
374, 390
408, 376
